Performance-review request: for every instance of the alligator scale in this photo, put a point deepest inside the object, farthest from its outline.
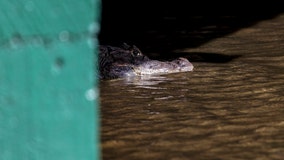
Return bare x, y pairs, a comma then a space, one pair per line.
126, 61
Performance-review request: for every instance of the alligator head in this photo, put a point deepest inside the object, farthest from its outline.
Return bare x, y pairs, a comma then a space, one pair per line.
125, 61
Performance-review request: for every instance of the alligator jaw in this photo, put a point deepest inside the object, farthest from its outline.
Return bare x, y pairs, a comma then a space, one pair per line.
158, 67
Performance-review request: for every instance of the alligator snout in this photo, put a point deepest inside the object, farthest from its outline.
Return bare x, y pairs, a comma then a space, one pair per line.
164, 67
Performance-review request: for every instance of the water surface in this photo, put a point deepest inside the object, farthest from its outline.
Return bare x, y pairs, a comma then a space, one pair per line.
227, 110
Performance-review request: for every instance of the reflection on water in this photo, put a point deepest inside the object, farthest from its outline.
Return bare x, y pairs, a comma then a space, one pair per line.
231, 110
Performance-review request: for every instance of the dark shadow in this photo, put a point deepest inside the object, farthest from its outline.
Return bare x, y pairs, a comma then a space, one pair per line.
161, 27
196, 57
211, 57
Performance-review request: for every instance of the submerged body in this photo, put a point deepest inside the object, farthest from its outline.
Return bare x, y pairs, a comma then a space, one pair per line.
125, 61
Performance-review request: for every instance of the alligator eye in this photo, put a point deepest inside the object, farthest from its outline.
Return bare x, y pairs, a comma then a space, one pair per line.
136, 53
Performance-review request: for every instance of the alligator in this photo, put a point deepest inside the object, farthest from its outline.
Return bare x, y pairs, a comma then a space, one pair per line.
127, 60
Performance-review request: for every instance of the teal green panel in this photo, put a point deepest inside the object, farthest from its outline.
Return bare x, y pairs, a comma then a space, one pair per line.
46, 17
48, 84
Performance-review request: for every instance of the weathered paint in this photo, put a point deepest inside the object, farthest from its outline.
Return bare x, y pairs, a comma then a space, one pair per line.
48, 88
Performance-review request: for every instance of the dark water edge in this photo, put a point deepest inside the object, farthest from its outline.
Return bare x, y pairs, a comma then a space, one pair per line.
230, 107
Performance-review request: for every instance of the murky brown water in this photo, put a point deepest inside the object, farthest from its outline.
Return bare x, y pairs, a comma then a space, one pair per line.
232, 110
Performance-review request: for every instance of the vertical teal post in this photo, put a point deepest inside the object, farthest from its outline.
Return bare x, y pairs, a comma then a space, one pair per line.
48, 87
